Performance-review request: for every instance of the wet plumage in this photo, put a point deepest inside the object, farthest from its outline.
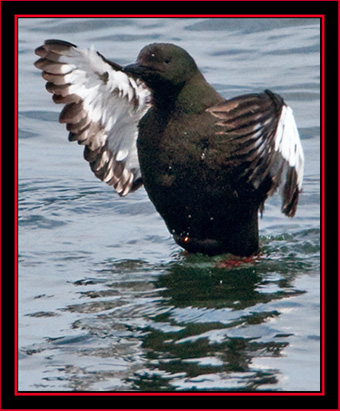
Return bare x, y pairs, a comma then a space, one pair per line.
208, 164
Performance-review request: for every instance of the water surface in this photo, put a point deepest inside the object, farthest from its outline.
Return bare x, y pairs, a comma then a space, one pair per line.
107, 300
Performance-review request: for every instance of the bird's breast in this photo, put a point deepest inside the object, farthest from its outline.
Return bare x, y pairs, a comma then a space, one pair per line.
181, 152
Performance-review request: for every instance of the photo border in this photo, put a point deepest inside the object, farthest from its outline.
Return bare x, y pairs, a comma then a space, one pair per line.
28, 396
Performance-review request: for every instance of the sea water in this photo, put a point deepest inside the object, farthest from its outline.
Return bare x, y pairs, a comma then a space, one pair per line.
107, 300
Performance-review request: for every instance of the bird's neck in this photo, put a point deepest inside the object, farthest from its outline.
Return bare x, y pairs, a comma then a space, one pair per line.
195, 96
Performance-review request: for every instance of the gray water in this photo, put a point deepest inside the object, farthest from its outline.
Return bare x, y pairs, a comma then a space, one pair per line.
107, 300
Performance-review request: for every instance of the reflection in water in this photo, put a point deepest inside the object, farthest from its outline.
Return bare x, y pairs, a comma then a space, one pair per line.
220, 323
194, 326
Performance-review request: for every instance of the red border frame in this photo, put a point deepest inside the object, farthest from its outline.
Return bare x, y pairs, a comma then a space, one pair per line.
61, 393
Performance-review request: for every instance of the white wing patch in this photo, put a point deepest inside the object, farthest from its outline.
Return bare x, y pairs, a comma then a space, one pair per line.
287, 142
103, 108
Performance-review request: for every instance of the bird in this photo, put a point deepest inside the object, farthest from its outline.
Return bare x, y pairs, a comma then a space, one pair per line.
208, 164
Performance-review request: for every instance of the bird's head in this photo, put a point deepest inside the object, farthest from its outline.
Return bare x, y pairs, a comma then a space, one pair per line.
163, 66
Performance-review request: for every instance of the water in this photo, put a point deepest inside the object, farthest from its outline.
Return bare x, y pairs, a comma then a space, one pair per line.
107, 300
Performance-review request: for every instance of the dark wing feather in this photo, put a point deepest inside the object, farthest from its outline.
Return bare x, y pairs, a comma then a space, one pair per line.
265, 143
102, 109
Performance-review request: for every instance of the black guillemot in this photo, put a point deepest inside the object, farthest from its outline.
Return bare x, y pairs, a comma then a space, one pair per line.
207, 164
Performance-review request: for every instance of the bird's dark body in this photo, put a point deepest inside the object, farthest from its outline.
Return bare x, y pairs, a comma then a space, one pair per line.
208, 164
188, 177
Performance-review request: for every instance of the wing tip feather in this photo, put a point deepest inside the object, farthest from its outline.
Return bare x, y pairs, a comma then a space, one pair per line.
86, 118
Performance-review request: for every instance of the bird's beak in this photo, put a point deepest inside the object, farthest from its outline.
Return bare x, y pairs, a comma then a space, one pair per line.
136, 69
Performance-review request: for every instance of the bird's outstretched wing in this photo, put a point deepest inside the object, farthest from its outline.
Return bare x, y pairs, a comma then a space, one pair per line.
103, 106
265, 144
